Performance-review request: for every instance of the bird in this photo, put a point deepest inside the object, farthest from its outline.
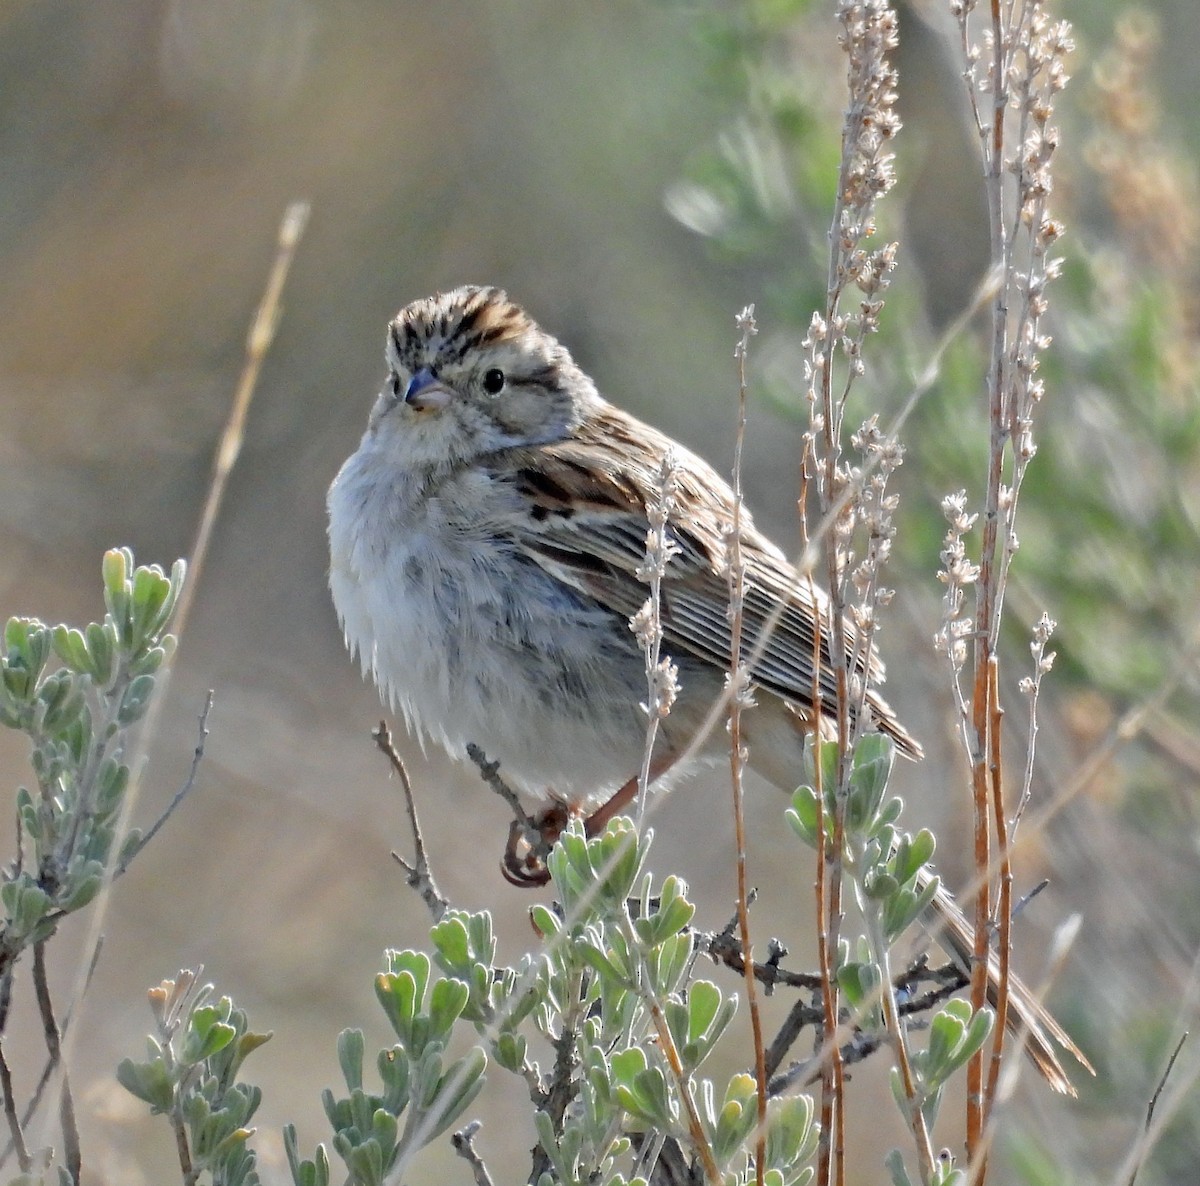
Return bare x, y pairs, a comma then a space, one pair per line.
487, 542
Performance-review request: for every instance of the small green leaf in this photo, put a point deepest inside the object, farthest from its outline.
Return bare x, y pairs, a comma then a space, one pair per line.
510, 1050
446, 1003
895, 1165
450, 938
112, 782
668, 963
350, 1048
545, 921
401, 992
150, 1082
135, 700
737, 1118
102, 644
305, 1172
880, 886
647, 1097
71, 647
913, 853
364, 1160
150, 592
946, 1032
206, 1039
791, 1134
703, 1003
803, 815
82, 886
25, 903
117, 589
456, 1090
672, 916
609, 964
870, 769
906, 906
627, 1064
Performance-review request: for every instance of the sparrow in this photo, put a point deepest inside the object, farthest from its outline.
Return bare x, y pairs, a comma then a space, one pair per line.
485, 545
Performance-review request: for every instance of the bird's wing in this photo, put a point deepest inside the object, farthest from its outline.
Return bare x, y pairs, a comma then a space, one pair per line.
587, 526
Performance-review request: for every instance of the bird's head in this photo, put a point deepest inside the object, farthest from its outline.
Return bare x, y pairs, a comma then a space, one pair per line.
470, 372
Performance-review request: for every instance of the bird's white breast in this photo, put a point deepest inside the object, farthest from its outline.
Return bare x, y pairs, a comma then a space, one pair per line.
474, 643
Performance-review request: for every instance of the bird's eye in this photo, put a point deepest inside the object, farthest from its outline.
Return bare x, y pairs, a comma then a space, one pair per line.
394, 383
493, 381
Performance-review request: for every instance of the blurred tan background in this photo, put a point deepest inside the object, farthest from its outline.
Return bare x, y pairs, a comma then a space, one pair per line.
148, 150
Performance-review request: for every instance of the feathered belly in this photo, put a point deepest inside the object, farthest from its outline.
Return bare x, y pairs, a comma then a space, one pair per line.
481, 648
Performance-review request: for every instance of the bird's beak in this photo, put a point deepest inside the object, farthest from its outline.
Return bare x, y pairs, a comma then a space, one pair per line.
425, 393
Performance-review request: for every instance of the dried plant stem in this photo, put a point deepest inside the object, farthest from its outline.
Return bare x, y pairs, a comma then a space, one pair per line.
464, 1145
258, 342
420, 875
739, 680
1011, 78
899, 1043
988, 596
982, 835
868, 33
831, 1147
181, 794
662, 684
261, 333
16, 1135
712, 1174
182, 1149
1004, 904
53, 1037
1148, 1127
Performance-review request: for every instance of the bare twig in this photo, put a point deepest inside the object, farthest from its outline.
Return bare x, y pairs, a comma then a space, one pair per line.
1003, 919
180, 795
538, 832
700, 1142
559, 1092
726, 949
1026, 898
868, 33
35, 1100
463, 1142
50, 1031
490, 773
1147, 1127
182, 1149
261, 334
420, 876
800, 1016
10, 1113
258, 342
862, 1043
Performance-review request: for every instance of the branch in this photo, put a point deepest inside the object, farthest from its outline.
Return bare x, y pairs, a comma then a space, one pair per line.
419, 876
71, 1151
1162, 1082
10, 1113
490, 773
180, 795
464, 1147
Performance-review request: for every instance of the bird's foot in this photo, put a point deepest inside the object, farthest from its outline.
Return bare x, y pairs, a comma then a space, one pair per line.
529, 843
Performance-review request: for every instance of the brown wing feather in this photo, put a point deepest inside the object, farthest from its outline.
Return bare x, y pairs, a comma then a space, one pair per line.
589, 498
